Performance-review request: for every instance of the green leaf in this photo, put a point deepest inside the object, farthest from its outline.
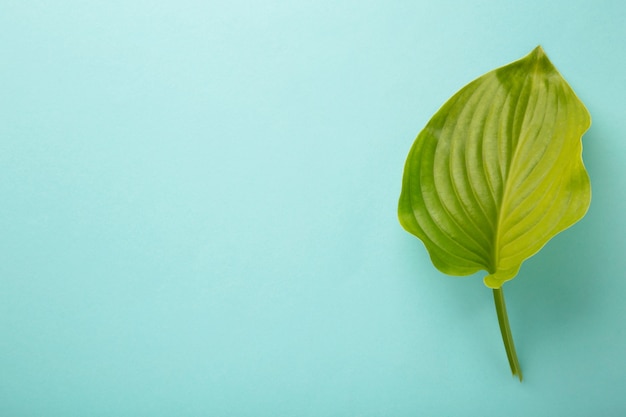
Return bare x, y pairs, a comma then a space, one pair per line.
497, 172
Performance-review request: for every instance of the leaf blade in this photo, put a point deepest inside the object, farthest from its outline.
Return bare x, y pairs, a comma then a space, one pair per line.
497, 171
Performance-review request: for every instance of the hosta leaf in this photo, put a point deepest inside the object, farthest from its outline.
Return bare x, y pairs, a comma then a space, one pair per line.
498, 171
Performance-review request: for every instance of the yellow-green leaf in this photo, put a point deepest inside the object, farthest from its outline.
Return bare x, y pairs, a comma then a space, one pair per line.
498, 171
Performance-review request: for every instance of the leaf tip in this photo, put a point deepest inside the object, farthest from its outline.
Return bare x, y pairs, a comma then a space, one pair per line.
538, 51
538, 60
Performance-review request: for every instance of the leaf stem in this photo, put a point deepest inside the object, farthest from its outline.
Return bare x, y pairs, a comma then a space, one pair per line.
505, 329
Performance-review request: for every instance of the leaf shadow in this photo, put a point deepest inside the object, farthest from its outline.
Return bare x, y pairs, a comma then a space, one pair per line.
553, 291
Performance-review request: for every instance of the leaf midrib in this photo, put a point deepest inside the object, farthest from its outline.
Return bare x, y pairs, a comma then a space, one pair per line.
507, 181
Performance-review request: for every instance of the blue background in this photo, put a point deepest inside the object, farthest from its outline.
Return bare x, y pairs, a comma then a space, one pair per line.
198, 213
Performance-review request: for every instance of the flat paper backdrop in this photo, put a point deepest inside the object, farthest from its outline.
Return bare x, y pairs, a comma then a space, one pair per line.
198, 213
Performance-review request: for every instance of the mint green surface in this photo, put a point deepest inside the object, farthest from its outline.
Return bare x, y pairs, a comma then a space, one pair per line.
198, 213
